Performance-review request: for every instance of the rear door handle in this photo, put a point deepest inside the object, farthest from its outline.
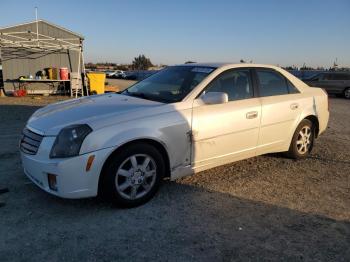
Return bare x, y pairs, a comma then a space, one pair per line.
252, 114
294, 106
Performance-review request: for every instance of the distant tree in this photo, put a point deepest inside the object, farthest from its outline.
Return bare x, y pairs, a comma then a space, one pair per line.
242, 61
290, 68
122, 67
141, 63
189, 62
306, 68
90, 65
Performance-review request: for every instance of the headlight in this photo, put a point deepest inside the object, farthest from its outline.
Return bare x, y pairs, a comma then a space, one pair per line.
69, 141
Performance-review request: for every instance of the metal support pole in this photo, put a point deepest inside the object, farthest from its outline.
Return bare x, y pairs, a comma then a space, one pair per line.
37, 25
79, 76
83, 65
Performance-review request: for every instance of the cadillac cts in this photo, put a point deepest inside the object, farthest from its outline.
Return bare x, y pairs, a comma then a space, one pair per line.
179, 121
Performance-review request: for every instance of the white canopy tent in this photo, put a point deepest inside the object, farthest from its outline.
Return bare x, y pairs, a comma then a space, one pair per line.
40, 38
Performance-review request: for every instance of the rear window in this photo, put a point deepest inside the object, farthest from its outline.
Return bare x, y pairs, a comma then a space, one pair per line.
292, 88
340, 76
320, 77
271, 83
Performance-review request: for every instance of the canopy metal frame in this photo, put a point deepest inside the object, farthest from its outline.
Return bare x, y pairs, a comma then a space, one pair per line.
40, 43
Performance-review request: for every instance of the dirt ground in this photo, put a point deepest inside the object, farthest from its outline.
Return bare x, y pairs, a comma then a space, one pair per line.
264, 208
119, 83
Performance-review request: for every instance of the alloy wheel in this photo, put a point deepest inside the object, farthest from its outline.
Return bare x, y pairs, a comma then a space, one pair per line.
304, 140
136, 176
347, 93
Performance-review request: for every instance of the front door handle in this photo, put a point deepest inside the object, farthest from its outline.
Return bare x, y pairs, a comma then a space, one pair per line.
252, 114
294, 106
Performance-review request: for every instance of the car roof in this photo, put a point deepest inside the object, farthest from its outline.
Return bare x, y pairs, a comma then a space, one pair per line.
335, 72
229, 65
216, 65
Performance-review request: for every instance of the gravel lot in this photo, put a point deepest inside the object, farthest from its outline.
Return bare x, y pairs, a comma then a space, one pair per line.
265, 208
120, 83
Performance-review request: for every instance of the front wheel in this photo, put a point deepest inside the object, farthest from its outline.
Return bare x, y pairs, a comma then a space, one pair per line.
303, 140
132, 176
347, 93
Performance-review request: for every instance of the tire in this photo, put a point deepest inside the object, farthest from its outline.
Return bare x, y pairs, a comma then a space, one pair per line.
302, 141
128, 180
347, 93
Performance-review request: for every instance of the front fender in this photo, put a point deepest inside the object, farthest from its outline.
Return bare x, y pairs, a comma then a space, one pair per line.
167, 129
126, 136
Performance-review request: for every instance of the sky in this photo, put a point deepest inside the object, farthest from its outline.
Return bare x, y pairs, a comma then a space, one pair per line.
278, 32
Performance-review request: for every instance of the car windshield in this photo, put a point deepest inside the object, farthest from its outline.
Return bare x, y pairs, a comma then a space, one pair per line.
169, 85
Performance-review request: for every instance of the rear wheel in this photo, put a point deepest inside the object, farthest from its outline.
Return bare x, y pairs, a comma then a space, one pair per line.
133, 175
303, 140
347, 93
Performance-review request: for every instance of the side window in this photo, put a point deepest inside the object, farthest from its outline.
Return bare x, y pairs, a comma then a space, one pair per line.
271, 83
340, 77
317, 77
321, 77
327, 77
235, 83
292, 89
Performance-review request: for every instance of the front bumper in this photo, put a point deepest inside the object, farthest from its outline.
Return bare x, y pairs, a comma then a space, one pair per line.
73, 181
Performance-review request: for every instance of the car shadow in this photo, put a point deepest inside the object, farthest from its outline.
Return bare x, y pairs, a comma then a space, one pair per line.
12, 121
182, 223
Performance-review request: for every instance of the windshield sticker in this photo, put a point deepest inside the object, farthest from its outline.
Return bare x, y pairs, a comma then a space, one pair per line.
202, 70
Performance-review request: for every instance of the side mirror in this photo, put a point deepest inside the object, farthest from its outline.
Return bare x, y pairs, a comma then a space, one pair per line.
212, 98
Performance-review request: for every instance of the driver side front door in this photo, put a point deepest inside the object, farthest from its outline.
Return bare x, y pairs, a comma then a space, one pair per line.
223, 133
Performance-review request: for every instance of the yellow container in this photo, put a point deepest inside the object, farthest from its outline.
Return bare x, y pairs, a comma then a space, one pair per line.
52, 73
96, 82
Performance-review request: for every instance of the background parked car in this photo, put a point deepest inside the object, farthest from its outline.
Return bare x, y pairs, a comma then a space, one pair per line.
109, 73
139, 74
305, 74
337, 83
119, 74
130, 76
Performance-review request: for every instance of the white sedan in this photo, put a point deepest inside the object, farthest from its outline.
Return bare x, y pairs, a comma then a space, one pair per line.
181, 120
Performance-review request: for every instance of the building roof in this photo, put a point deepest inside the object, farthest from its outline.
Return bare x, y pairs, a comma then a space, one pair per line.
45, 22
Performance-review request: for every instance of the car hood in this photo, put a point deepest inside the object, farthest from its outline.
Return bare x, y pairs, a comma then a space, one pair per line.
96, 111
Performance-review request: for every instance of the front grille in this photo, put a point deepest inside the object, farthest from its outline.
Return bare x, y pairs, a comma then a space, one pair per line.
30, 142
